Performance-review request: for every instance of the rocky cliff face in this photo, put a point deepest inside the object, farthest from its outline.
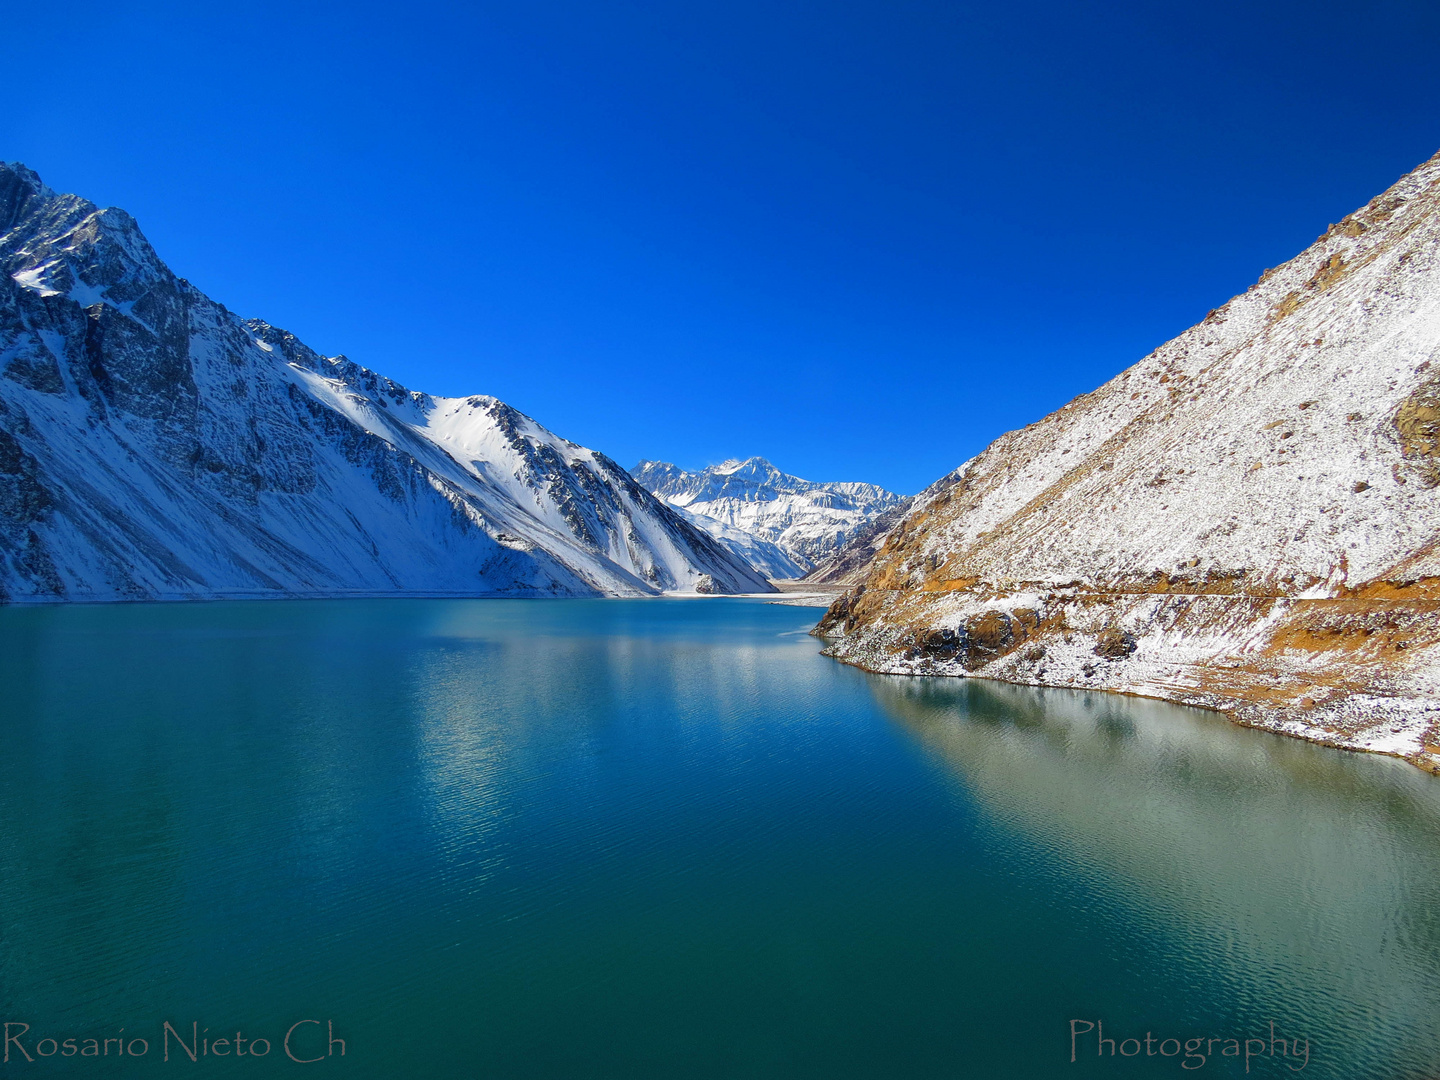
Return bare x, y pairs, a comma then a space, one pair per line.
807, 521
1248, 519
154, 446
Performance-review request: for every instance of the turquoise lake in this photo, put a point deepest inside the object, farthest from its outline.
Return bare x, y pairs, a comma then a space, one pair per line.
668, 839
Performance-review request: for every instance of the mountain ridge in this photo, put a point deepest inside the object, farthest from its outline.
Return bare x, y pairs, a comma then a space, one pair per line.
153, 445
1244, 520
805, 519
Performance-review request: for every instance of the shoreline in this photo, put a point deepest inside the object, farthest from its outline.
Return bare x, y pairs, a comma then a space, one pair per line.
1232, 712
1353, 707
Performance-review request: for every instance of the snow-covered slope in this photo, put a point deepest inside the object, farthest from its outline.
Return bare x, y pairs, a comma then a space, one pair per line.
768, 558
1247, 519
154, 445
806, 520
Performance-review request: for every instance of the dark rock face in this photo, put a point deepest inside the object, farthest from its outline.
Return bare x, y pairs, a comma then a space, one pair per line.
991, 632
983, 637
943, 644
22, 498
23, 502
19, 187
154, 445
1417, 423
1114, 644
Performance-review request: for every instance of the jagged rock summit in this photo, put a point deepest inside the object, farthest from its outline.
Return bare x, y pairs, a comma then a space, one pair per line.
807, 521
1247, 520
155, 446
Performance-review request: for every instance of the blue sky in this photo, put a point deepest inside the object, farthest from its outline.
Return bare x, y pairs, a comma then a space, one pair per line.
859, 238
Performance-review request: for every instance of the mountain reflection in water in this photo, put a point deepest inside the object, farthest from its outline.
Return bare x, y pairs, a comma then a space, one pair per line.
1304, 880
651, 840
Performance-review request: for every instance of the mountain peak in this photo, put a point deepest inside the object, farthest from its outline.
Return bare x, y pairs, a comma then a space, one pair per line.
735, 464
24, 174
222, 457
807, 520
19, 186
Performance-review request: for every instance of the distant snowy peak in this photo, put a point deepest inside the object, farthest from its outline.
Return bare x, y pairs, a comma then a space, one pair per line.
155, 446
808, 521
752, 480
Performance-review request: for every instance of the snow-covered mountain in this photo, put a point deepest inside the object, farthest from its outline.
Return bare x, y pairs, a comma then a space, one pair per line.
1248, 519
154, 445
806, 520
768, 558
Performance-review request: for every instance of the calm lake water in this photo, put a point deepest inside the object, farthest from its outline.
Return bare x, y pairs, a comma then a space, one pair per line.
667, 839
